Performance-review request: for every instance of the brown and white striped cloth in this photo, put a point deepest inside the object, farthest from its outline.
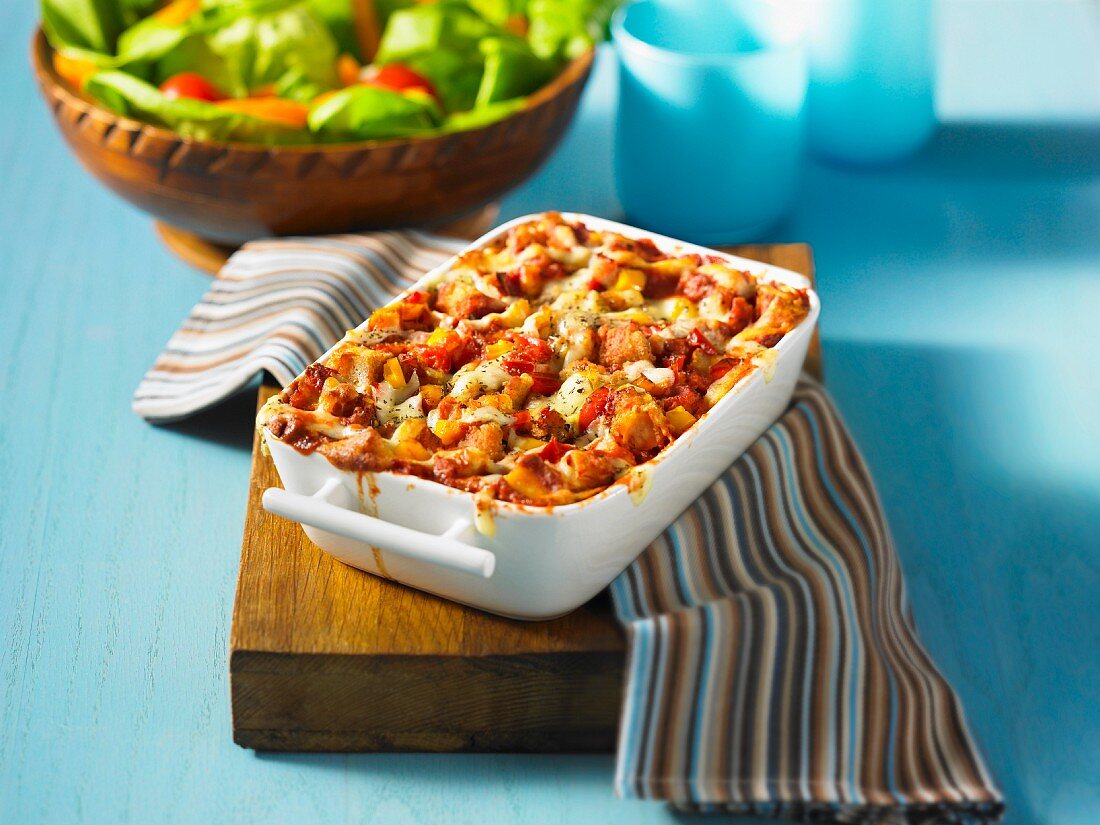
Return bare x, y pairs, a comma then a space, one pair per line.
774, 664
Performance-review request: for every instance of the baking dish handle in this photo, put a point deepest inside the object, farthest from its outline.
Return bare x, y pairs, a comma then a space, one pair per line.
444, 550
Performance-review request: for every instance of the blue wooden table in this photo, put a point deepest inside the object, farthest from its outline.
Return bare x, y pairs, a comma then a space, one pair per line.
962, 303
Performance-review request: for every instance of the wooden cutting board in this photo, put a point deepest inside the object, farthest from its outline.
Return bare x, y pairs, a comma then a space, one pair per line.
324, 657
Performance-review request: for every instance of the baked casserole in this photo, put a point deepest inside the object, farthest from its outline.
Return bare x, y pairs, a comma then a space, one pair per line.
540, 367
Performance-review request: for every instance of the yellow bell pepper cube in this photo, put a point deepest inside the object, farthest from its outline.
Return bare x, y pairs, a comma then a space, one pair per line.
630, 279
384, 318
410, 429
393, 374
447, 431
637, 316
499, 348
525, 443
412, 451
437, 338
682, 306
679, 419
431, 395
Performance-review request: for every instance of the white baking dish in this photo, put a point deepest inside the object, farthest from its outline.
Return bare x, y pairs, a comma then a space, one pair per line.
541, 562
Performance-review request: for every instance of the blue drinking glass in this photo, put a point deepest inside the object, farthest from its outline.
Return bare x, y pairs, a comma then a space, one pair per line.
872, 78
710, 135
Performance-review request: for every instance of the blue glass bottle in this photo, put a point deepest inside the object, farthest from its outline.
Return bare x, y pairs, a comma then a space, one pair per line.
872, 77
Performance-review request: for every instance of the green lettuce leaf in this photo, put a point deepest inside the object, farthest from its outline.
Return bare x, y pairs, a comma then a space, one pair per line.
238, 45
339, 17
82, 26
566, 28
482, 115
442, 42
511, 70
368, 113
259, 49
418, 30
498, 11
456, 75
294, 84
132, 97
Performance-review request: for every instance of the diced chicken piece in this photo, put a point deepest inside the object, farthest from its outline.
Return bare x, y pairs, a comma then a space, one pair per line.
488, 438
622, 344
696, 285
359, 365
779, 309
294, 430
637, 422
549, 423
602, 271
741, 315
461, 463
517, 388
534, 481
304, 391
581, 344
463, 300
588, 469
684, 397
362, 452
342, 401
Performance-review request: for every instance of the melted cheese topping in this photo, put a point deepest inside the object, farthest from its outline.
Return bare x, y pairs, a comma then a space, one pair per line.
539, 369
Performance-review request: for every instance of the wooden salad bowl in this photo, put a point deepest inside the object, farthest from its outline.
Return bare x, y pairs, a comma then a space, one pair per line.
230, 193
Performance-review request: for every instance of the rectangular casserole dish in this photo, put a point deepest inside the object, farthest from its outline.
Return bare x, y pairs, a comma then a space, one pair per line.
538, 562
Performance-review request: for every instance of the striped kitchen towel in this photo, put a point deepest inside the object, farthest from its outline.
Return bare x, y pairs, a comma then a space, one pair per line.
774, 666
276, 306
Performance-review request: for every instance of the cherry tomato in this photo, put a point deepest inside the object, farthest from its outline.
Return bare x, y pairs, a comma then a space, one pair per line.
438, 357
593, 408
553, 451
189, 84
518, 366
534, 348
399, 78
522, 423
545, 384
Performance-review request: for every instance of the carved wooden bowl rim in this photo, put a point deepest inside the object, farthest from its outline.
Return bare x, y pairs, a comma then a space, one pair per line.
58, 92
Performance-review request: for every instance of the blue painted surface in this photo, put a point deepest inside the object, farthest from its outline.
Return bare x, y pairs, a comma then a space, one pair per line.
962, 303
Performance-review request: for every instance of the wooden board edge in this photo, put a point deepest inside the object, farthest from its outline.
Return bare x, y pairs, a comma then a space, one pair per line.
534, 703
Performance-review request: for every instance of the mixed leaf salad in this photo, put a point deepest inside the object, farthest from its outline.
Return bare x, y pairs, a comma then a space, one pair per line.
303, 71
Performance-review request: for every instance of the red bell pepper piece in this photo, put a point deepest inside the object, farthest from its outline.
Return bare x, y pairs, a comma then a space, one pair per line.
698, 339
593, 408
544, 384
553, 451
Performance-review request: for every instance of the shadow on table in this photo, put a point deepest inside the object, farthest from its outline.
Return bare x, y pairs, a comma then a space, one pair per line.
230, 423
995, 524
981, 191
